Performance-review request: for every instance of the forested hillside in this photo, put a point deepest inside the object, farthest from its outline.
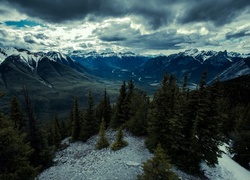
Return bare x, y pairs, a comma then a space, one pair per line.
182, 127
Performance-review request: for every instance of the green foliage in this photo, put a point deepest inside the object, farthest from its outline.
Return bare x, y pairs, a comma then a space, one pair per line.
38, 138
14, 153
16, 114
158, 167
57, 135
90, 122
240, 144
139, 106
202, 130
64, 129
187, 125
76, 121
104, 110
119, 142
163, 110
43, 153
119, 115
102, 141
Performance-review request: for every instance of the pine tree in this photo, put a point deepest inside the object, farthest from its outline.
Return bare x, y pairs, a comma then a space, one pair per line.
43, 154
158, 167
202, 128
57, 135
104, 110
139, 106
119, 115
76, 124
163, 109
90, 122
14, 153
64, 129
119, 141
16, 114
33, 135
157, 121
102, 141
240, 140
71, 121
127, 102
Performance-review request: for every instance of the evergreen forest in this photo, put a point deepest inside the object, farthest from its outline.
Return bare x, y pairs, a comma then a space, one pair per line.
182, 127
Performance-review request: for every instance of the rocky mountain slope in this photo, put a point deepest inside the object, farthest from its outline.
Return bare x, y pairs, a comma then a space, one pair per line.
54, 79
81, 161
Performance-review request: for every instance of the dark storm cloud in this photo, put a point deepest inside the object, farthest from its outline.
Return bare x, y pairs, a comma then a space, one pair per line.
63, 10
158, 41
115, 31
155, 41
151, 13
219, 12
114, 38
234, 35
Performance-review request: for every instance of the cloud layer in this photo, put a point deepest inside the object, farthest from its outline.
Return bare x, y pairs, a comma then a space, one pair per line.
155, 13
143, 26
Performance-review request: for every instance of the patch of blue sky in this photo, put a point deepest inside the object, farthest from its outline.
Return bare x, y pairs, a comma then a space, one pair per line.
23, 23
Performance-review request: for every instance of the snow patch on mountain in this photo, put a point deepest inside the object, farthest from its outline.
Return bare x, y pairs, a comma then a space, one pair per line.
5, 52
31, 59
238, 69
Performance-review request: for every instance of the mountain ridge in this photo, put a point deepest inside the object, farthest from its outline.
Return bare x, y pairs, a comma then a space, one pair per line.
53, 77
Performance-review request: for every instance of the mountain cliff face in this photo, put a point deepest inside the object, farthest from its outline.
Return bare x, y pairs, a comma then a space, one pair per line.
54, 79
194, 63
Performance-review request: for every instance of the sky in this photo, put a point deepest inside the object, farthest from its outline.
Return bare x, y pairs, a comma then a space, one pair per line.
140, 26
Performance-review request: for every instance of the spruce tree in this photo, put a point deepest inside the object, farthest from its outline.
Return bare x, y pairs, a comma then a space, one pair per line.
139, 106
240, 140
119, 115
43, 154
14, 153
76, 124
158, 167
16, 114
119, 141
162, 110
33, 135
71, 122
90, 122
127, 102
102, 140
104, 109
64, 129
202, 128
57, 135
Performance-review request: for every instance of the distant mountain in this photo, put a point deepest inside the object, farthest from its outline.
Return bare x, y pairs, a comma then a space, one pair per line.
109, 65
54, 79
193, 62
148, 71
238, 69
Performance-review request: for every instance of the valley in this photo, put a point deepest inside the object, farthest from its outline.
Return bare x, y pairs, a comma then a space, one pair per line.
53, 79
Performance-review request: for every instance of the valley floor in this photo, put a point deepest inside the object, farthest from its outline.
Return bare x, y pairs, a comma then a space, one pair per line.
80, 161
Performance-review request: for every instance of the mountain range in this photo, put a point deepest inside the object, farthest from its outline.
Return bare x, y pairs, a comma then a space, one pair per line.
53, 79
